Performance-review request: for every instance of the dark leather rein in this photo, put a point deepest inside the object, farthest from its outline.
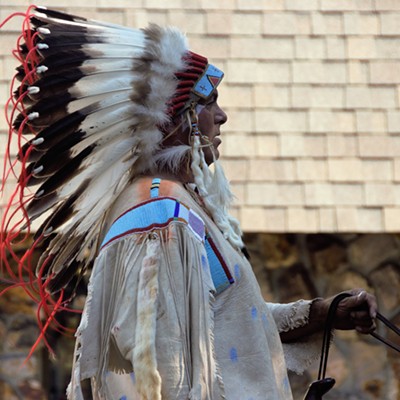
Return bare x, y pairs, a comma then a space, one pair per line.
391, 326
320, 387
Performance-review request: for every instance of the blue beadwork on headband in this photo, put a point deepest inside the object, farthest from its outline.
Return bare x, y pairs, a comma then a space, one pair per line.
208, 82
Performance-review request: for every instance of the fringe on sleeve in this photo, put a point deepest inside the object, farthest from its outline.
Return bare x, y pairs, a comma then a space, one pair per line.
301, 354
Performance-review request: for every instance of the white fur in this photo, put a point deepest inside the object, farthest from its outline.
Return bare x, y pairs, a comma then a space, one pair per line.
148, 380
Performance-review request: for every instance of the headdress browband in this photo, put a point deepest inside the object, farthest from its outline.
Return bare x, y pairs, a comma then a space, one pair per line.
197, 82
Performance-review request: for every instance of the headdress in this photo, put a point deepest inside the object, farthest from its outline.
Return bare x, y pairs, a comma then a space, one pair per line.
96, 97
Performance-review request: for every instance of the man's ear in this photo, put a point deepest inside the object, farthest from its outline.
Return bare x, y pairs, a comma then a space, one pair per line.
174, 131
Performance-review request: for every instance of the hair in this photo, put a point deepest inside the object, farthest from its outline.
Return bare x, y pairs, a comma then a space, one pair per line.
215, 190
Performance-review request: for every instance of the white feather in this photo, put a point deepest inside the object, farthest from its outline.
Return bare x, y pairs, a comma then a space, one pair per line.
99, 102
104, 137
99, 164
104, 117
103, 82
100, 65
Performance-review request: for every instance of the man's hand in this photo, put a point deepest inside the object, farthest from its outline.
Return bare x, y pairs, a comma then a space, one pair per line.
356, 312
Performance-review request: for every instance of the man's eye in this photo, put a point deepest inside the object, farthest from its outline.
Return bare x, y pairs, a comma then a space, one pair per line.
210, 102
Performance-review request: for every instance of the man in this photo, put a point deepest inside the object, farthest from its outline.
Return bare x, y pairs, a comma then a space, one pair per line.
126, 125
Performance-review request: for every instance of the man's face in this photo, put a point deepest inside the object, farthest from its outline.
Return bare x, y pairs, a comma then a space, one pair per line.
211, 117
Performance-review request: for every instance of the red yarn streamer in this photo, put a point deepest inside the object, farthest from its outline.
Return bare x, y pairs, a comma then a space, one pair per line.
15, 224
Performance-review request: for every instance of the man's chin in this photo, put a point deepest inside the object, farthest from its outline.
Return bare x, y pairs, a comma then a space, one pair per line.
209, 157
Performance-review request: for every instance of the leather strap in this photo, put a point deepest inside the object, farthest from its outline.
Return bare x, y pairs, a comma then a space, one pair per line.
328, 333
391, 326
318, 388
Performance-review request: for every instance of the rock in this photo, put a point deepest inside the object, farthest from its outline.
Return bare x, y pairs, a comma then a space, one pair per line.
346, 238
368, 364
395, 378
346, 280
258, 264
31, 390
29, 336
370, 251
278, 251
319, 241
16, 301
375, 387
386, 279
329, 260
393, 337
337, 367
294, 284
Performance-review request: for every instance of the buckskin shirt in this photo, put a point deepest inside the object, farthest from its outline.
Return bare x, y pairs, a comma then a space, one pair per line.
174, 312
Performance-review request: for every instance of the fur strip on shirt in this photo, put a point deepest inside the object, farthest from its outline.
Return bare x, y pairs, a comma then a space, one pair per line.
144, 357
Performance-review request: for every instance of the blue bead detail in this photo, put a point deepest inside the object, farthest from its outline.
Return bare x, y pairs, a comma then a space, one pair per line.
155, 186
123, 398
233, 354
218, 274
254, 312
153, 214
176, 212
286, 383
265, 320
237, 271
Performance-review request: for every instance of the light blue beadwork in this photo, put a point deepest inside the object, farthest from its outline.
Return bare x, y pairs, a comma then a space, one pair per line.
155, 186
208, 82
218, 274
155, 214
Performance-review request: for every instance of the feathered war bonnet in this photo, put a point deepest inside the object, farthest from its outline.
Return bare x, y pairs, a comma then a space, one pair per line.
95, 97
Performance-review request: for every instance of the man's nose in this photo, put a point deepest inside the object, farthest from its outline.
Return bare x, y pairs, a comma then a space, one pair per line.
220, 116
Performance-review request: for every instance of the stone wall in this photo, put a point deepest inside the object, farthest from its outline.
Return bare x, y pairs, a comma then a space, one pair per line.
18, 331
288, 267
